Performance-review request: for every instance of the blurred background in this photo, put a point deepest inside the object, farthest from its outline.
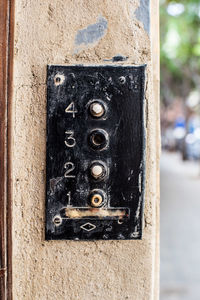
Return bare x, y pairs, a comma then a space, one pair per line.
180, 162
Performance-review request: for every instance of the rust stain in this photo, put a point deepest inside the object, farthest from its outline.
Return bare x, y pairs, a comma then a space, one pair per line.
2, 271
78, 213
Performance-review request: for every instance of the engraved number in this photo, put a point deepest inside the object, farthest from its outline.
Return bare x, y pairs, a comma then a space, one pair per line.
70, 142
69, 197
71, 109
70, 167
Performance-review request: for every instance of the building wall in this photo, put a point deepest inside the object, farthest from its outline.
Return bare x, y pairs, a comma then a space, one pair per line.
71, 32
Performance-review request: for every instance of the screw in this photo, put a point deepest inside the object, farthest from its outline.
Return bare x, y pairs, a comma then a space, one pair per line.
59, 79
122, 79
57, 220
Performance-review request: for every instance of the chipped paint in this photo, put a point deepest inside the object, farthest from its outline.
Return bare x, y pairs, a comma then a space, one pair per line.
117, 58
53, 183
142, 14
79, 213
91, 34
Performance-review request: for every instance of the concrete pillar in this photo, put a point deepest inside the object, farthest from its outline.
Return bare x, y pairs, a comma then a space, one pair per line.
71, 32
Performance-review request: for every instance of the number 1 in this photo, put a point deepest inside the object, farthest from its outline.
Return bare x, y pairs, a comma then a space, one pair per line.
69, 197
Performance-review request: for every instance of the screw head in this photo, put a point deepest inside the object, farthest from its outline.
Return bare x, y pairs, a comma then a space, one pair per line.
59, 79
57, 220
122, 79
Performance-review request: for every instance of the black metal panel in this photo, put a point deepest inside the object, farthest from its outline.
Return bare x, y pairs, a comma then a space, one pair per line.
78, 140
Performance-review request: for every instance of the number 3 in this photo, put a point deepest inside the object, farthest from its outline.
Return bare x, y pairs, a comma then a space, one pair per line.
70, 142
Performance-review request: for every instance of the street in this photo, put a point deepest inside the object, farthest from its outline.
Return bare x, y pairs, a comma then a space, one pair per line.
180, 228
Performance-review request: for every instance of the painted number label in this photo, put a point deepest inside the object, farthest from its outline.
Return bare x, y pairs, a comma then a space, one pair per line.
70, 140
71, 109
69, 166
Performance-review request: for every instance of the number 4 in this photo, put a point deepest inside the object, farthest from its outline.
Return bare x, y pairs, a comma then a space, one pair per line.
71, 109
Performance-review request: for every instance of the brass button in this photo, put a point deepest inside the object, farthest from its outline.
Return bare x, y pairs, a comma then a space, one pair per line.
97, 109
96, 200
97, 171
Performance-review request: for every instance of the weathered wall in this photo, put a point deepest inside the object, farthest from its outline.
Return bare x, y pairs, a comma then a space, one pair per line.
69, 32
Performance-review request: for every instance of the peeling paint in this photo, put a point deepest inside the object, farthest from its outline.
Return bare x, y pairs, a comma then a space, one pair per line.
117, 58
142, 14
79, 213
53, 183
91, 34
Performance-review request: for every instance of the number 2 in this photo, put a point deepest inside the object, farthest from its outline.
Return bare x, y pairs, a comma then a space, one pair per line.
70, 167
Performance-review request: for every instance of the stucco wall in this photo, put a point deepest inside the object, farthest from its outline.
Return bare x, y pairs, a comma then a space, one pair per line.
70, 32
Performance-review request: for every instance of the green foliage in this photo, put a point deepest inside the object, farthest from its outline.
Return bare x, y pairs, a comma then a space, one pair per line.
180, 48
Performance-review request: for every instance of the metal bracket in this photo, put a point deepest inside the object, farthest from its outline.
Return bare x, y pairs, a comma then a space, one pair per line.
95, 152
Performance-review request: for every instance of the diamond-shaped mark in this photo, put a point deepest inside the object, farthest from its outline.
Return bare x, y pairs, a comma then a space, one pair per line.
88, 226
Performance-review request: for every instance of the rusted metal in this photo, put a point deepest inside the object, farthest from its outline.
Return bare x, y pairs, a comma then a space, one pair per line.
110, 135
107, 213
